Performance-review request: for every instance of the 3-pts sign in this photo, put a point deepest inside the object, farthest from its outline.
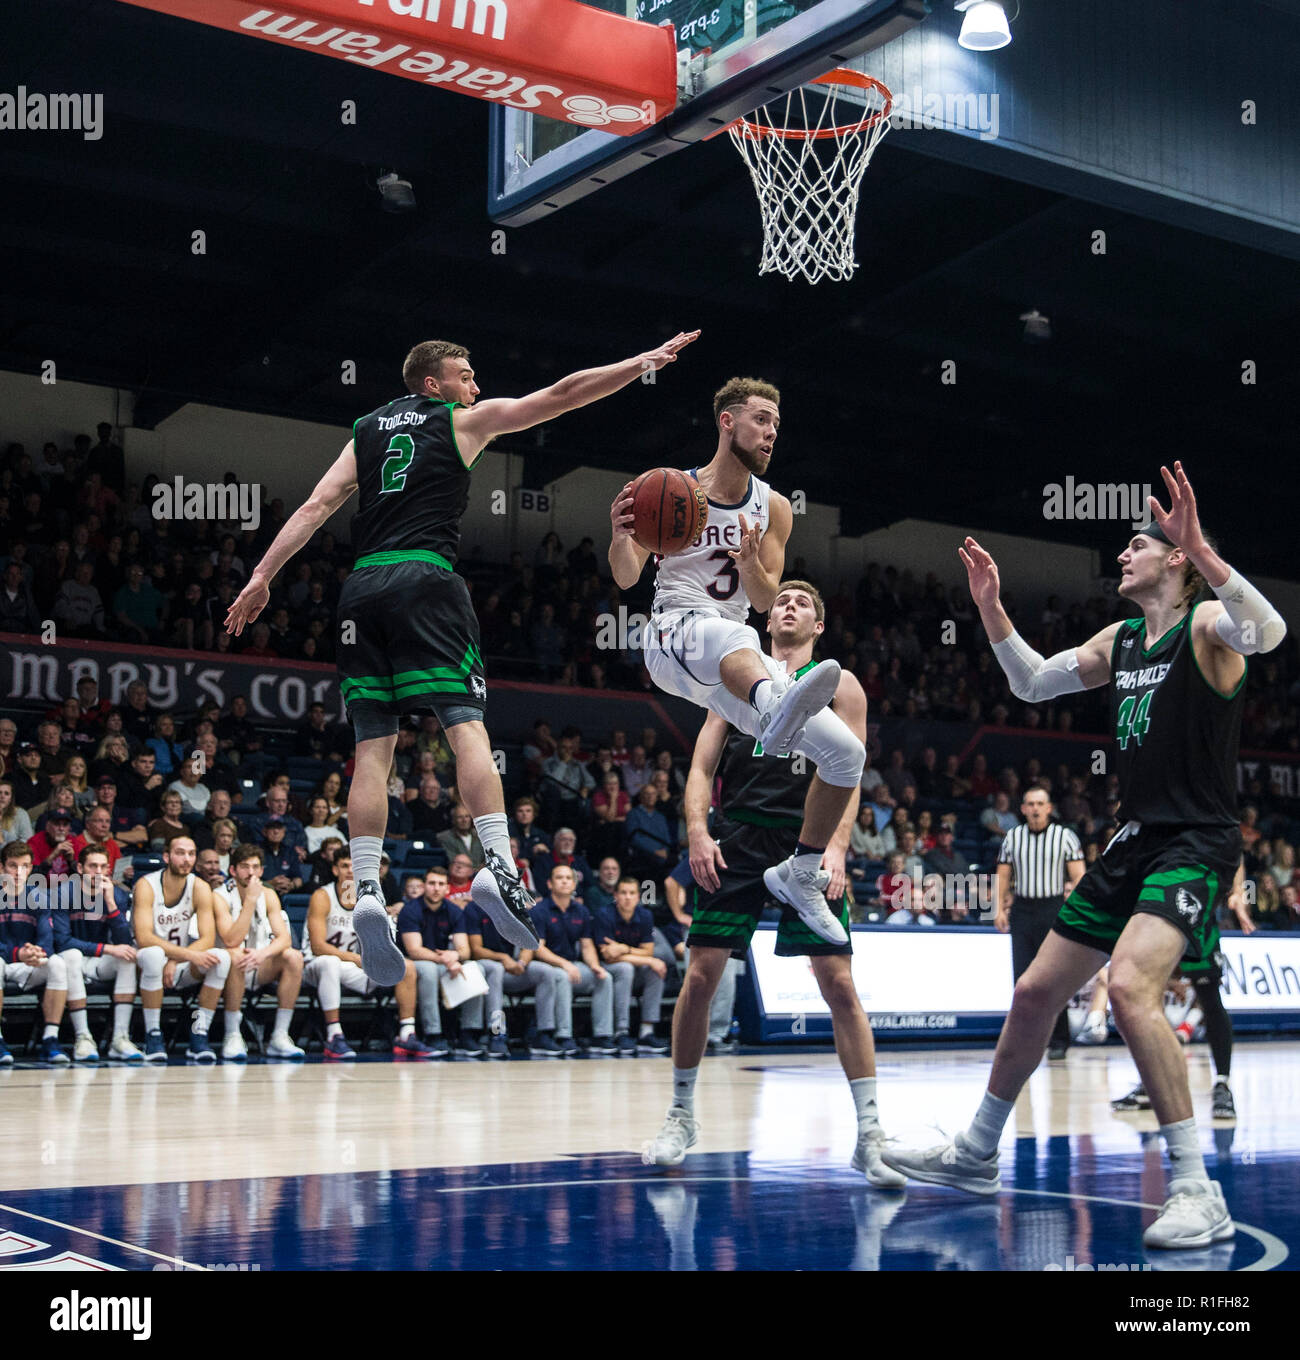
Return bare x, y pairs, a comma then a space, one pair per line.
560, 58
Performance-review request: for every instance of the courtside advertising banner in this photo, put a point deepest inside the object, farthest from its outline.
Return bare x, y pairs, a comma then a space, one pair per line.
559, 58
957, 981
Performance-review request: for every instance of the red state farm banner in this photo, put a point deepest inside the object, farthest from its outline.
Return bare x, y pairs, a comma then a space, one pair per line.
560, 58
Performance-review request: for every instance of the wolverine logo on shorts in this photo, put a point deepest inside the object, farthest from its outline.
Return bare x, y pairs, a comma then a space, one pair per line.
1188, 905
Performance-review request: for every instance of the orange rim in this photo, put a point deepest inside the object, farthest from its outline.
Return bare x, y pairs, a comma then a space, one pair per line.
842, 75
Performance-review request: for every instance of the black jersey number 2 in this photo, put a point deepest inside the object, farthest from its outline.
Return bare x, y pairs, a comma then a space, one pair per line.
728, 579
392, 476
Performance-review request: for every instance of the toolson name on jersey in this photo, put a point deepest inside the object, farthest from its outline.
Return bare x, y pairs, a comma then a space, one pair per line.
405, 418
1151, 675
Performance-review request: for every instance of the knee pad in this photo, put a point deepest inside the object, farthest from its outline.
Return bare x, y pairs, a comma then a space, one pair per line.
72, 961
151, 961
837, 753
56, 977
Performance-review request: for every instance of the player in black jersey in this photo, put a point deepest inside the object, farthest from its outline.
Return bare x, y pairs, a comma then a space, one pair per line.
1176, 674
760, 812
408, 638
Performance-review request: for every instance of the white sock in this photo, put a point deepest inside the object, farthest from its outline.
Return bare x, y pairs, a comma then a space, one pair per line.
494, 834
232, 1023
122, 1018
365, 858
864, 1098
406, 1027
1185, 1159
50, 1032
1220, 1081
684, 1088
202, 1020
79, 1025
646, 1030
152, 1018
333, 1029
986, 1128
282, 1017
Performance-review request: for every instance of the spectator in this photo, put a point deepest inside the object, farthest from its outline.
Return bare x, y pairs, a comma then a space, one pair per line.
51, 848
320, 868
76, 779
30, 786
618, 751
139, 786
523, 867
18, 613
865, 842
649, 840
107, 461
431, 740
73, 734
225, 837
15, 824
636, 772
565, 784
430, 811
460, 875
281, 867
318, 826
565, 845
462, 839
533, 841
663, 763
112, 755
237, 738
8, 744
98, 833
926, 836
1283, 867
913, 865
564, 928
78, 607
168, 752
998, 819
321, 738
610, 806
193, 791
624, 936
951, 783
54, 759
982, 784
168, 823
126, 823
138, 607
599, 893
946, 862
331, 790
432, 935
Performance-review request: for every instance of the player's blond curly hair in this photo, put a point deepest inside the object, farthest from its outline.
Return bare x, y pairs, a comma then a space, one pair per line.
737, 391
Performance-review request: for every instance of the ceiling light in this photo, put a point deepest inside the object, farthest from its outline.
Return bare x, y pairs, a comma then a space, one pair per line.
397, 194
984, 26
1038, 328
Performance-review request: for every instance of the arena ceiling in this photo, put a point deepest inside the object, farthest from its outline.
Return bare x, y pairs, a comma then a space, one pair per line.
303, 271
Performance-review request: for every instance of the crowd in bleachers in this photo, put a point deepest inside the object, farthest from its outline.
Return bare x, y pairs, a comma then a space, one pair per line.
80, 545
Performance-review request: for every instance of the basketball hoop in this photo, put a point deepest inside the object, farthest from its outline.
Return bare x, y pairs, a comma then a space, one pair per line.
807, 168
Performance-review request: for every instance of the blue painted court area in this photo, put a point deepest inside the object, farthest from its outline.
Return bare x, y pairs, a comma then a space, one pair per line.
1061, 1207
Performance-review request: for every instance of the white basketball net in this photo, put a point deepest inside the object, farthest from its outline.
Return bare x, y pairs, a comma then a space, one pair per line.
807, 158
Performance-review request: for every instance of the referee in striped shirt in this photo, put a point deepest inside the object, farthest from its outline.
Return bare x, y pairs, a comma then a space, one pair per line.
1047, 861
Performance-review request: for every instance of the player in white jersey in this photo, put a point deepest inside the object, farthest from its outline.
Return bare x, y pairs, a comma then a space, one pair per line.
175, 935
699, 646
251, 925
333, 961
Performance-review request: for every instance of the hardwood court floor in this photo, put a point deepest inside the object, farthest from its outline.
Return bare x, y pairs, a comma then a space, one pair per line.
457, 1165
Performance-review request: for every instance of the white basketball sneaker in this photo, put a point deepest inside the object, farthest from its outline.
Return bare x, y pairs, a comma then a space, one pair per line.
780, 723
1094, 1029
233, 1048
123, 1050
85, 1049
866, 1158
679, 1132
947, 1163
281, 1046
806, 893
1194, 1215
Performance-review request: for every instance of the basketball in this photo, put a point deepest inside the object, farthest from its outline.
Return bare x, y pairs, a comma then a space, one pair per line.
670, 510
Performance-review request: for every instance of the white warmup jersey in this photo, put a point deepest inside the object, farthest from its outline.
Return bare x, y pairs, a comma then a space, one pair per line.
177, 924
259, 928
338, 927
705, 577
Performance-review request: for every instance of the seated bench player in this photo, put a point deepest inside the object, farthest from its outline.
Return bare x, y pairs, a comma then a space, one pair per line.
624, 936
251, 924
521, 973
92, 934
564, 929
332, 957
176, 948
431, 931
27, 959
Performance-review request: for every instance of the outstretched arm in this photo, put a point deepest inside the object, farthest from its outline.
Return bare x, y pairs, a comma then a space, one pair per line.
1031, 676
706, 857
331, 492
485, 420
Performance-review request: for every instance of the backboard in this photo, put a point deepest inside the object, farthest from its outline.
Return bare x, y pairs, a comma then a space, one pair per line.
733, 55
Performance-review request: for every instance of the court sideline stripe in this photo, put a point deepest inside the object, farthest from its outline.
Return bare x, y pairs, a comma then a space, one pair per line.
99, 1237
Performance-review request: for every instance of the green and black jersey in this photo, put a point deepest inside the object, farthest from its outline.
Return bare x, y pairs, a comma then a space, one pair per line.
1177, 736
761, 790
412, 484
